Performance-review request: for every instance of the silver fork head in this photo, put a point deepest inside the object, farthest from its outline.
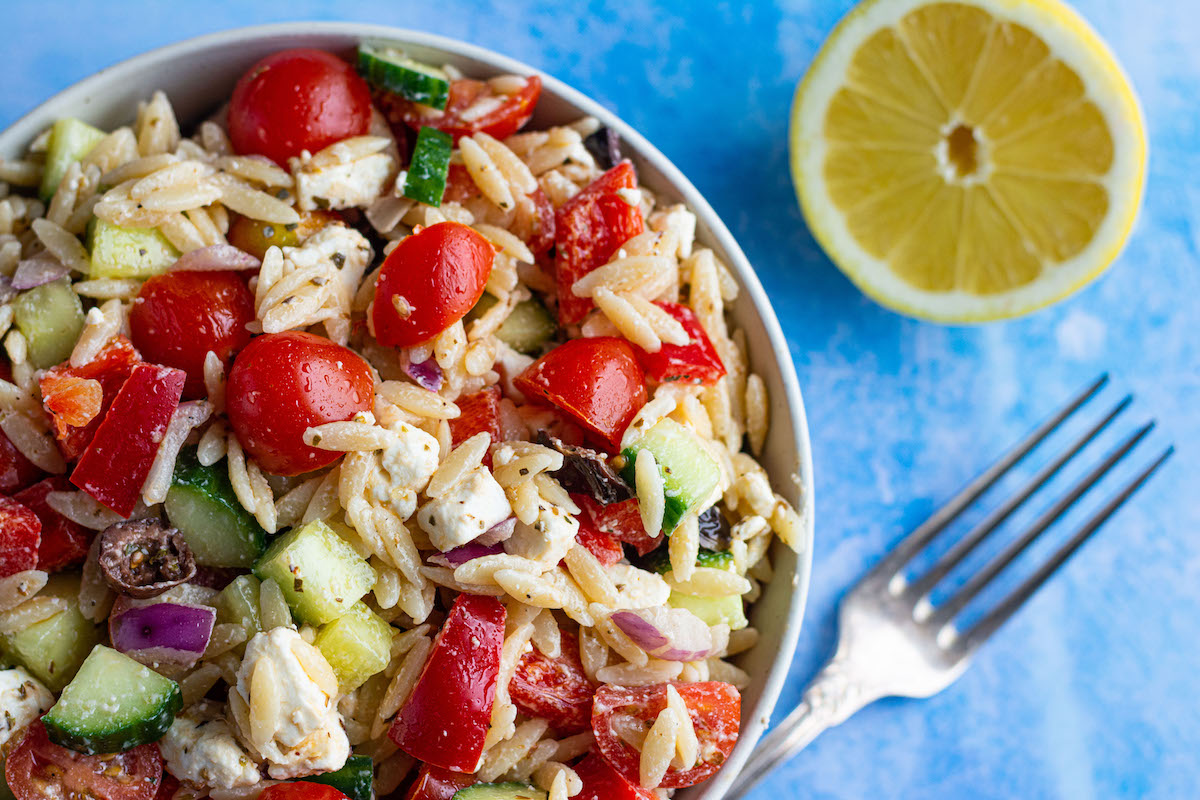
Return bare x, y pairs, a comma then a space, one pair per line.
900, 642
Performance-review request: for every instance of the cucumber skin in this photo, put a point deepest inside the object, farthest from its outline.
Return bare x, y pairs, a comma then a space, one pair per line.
660, 560
673, 509
417, 85
426, 181
206, 484
660, 439
500, 791
51, 318
356, 778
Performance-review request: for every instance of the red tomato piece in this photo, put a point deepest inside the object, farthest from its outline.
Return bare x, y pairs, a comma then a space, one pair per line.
554, 689
16, 471
282, 384
715, 709
167, 787
429, 282
598, 381
434, 783
114, 466
459, 185
500, 122
71, 400
20, 534
588, 229
624, 522
695, 362
446, 718
297, 100
602, 782
41, 770
603, 545
540, 237
64, 543
178, 317
110, 368
478, 413
301, 791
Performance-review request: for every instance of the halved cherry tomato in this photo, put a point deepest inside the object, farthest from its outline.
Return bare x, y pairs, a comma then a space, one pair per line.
255, 236
588, 229
602, 782
20, 534
435, 783
446, 717
540, 237
71, 400
301, 791
500, 122
715, 709
178, 317
554, 689
297, 100
41, 770
459, 185
598, 381
429, 282
64, 543
603, 545
695, 362
16, 471
624, 521
111, 368
478, 413
281, 384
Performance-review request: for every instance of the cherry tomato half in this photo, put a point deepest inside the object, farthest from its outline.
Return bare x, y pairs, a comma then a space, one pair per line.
297, 100
64, 543
602, 782
41, 770
178, 317
554, 689
598, 381
282, 384
301, 791
435, 783
501, 122
715, 709
429, 282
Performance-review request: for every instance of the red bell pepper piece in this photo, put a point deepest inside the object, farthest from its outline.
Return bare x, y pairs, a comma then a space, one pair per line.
588, 229
20, 533
16, 471
604, 546
695, 362
114, 466
446, 718
624, 521
110, 368
64, 543
602, 782
435, 783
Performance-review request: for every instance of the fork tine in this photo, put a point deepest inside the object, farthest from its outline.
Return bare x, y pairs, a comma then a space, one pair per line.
963, 547
949, 609
914, 542
984, 628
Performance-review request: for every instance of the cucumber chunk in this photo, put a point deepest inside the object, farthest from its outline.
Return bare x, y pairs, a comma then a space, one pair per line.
114, 703
356, 779
527, 328
426, 179
660, 560
357, 645
388, 68
238, 603
728, 610
500, 791
689, 473
53, 649
202, 505
128, 252
321, 576
70, 140
50, 317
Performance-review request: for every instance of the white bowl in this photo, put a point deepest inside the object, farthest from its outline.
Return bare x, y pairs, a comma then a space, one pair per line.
198, 75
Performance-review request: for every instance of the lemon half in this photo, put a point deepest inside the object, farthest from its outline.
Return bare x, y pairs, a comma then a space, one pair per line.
967, 161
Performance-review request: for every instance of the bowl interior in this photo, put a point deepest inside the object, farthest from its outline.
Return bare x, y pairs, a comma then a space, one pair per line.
198, 75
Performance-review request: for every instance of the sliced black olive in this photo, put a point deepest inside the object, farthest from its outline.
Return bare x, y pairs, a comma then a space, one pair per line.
144, 558
586, 471
605, 147
715, 532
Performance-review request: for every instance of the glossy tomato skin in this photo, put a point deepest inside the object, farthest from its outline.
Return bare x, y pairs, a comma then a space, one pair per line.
281, 384
446, 718
301, 791
554, 689
167, 787
64, 543
499, 123
694, 362
297, 100
715, 709
602, 544
178, 317
41, 770
110, 368
435, 783
598, 381
438, 274
623, 521
602, 782
477, 413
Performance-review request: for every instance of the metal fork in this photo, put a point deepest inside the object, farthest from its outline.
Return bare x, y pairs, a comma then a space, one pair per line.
894, 642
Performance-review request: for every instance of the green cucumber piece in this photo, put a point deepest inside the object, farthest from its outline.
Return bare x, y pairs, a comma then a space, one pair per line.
689, 473
527, 328
114, 703
70, 140
320, 574
128, 252
500, 791
53, 649
426, 179
356, 779
50, 317
728, 610
202, 505
238, 603
389, 68
660, 560
357, 645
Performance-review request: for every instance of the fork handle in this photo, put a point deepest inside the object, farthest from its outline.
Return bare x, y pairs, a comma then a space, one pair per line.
832, 697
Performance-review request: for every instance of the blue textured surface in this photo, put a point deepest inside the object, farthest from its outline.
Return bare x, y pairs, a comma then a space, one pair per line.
1091, 692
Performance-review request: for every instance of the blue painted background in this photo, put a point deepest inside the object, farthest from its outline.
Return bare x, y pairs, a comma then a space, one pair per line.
1092, 691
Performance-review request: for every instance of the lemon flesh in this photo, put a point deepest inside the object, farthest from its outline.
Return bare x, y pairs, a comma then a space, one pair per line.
967, 161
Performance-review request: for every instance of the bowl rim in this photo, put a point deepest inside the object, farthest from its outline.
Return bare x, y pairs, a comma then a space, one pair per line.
29, 125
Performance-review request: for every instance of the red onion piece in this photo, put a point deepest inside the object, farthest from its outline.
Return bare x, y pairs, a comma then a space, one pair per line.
37, 271
163, 632
215, 257
671, 634
7, 292
498, 533
427, 374
461, 555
